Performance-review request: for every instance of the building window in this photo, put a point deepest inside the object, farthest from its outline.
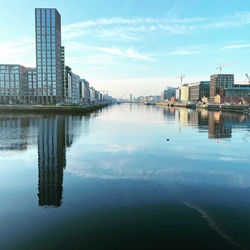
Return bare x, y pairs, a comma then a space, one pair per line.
48, 17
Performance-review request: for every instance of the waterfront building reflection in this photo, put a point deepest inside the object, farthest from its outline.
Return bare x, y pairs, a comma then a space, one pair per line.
55, 134
218, 125
51, 160
16, 132
52, 134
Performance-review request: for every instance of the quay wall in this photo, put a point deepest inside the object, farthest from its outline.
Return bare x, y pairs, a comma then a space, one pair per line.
212, 107
50, 109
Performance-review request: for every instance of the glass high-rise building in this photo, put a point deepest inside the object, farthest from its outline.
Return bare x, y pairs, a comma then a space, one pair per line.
48, 56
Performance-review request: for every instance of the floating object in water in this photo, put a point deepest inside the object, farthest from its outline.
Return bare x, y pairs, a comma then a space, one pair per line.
167, 139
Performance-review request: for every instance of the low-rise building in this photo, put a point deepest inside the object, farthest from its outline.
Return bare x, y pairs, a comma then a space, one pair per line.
92, 95
198, 90
237, 93
84, 91
168, 93
72, 86
185, 93
13, 83
178, 94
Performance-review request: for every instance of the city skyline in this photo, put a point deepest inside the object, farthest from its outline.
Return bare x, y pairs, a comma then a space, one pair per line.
134, 48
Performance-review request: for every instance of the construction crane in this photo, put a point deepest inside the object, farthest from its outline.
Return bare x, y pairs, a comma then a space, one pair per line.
181, 77
220, 67
248, 78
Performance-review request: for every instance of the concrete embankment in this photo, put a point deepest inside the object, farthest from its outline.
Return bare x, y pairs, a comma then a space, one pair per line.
50, 109
178, 104
229, 108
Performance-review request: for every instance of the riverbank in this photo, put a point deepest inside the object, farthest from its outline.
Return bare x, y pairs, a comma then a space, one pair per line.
178, 104
230, 108
212, 107
50, 109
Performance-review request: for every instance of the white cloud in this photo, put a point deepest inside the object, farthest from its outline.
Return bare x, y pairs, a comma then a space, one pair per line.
90, 55
125, 29
184, 52
129, 53
237, 46
20, 52
132, 28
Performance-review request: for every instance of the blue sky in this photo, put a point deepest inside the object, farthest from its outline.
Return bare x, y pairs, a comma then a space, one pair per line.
136, 45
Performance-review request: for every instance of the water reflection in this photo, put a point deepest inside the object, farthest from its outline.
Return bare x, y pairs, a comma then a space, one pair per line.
55, 134
51, 160
16, 132
219, 125
116, 168
52, 134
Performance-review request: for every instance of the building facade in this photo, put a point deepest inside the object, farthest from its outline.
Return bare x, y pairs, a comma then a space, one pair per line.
31, 86
178, 94
48, 56
218, 83
184, 93
168, 93
198, 90
237, 94
13, 84
75, 87
85, 91
72, 86
63, 68
92, 95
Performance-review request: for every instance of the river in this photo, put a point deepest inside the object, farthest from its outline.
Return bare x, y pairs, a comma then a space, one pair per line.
127, 176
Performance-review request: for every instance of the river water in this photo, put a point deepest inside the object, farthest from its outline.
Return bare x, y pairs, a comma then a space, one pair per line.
125, 177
